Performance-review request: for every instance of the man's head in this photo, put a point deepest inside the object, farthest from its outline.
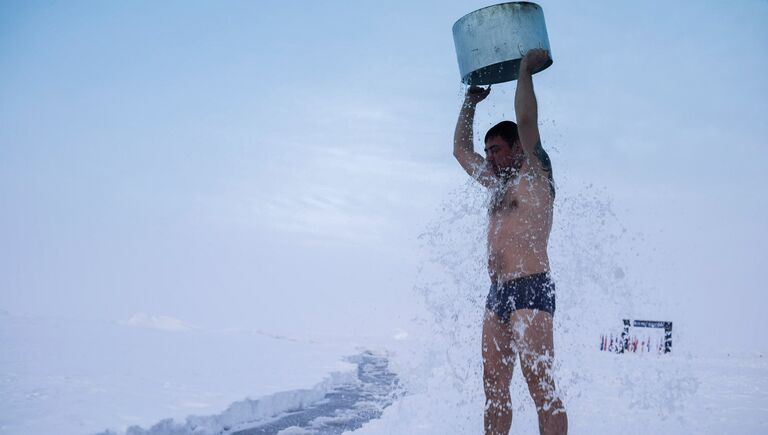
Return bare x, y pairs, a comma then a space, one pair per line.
502, 148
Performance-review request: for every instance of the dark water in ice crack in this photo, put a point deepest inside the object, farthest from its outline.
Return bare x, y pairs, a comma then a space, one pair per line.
345, 408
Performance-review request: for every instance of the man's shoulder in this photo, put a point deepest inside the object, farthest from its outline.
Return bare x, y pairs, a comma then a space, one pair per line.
542, 158
544, 164
538, 182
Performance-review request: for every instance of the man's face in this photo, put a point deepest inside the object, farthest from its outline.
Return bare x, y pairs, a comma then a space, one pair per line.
503, 158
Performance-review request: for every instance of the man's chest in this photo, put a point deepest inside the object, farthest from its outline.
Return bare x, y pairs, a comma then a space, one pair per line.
522, 195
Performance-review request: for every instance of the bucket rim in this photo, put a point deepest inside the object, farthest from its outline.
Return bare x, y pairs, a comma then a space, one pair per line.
493, 6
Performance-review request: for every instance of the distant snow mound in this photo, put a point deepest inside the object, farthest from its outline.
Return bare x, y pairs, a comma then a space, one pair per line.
161, 323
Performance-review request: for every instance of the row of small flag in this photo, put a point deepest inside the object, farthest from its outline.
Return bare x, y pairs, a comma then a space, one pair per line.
631, 343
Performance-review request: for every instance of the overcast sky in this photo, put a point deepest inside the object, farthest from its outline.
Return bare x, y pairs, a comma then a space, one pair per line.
268, 163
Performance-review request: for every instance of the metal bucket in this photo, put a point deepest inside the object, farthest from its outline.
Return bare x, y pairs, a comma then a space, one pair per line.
490, 42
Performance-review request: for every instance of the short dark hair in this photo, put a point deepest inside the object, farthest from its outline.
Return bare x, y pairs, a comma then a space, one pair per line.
506, 130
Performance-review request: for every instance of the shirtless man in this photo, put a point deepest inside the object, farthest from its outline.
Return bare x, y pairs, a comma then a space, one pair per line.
521, 301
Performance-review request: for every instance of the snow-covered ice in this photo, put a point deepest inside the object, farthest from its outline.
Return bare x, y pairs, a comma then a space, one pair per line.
166, 375
604, 394
76, 376
96, 377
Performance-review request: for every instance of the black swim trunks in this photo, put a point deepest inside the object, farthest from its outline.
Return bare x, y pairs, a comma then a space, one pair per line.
534, 292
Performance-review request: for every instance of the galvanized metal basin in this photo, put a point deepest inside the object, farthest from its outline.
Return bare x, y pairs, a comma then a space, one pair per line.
490, 42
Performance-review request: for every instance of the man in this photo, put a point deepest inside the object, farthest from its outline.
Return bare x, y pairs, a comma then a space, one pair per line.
521, 301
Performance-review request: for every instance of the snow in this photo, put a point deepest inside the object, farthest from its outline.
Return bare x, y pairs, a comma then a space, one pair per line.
161, 323
77, 376
152, 373
604, 394
156, 374
246, 411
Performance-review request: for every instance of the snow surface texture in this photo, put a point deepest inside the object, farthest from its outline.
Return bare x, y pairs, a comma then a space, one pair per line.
72, 376
247, 410
342, 402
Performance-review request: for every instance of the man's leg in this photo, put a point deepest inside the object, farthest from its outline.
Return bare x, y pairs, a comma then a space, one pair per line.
536, 348
498, 363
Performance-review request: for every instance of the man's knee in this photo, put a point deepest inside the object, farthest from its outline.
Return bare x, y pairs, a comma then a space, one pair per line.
495, 384
541, 386
498, 402
546, 399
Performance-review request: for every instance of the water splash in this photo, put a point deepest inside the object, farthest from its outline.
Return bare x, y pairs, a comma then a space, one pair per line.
590, 253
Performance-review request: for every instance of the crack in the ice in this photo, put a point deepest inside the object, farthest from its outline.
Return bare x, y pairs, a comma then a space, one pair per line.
345, 408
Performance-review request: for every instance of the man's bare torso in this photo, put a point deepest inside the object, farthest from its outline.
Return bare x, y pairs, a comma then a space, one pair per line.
520, 219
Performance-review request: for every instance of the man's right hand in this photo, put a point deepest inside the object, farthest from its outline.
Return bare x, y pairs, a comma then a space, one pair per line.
476, 94
534, 60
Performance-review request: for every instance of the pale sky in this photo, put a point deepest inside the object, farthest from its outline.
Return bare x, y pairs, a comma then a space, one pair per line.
269, 163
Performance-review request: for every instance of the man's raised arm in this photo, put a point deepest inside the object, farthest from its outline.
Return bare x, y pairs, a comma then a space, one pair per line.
526, 109
463, 148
